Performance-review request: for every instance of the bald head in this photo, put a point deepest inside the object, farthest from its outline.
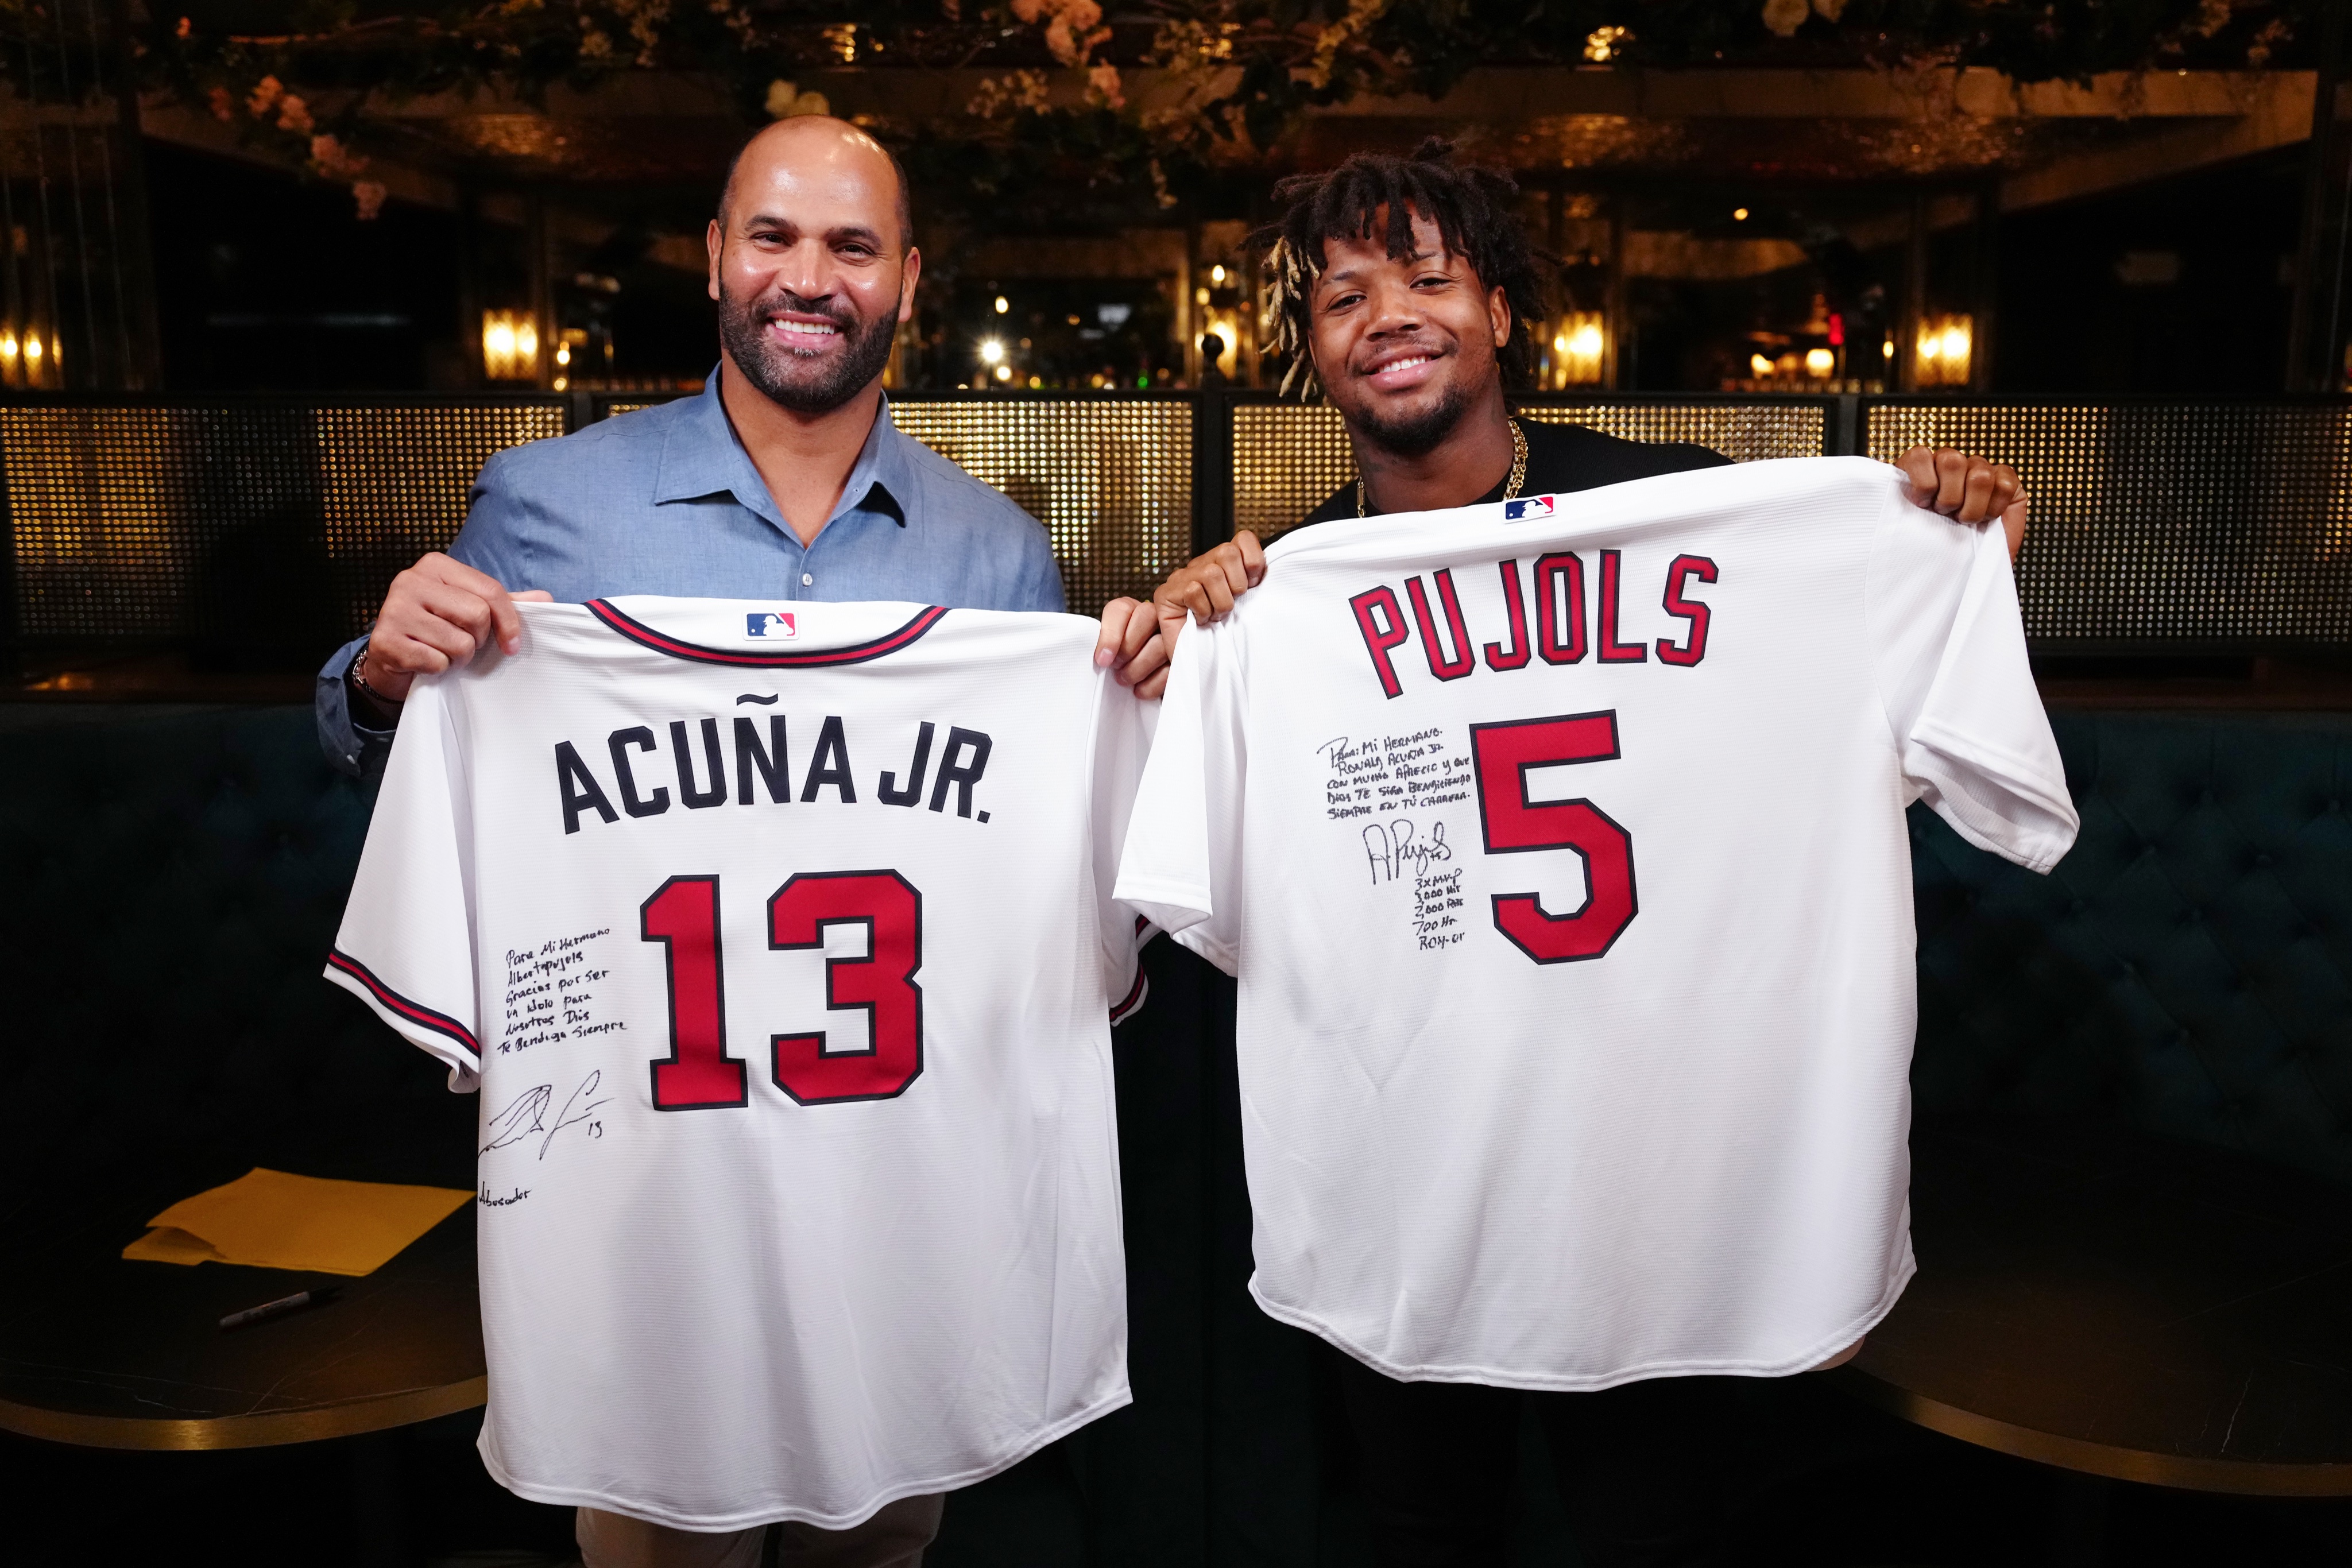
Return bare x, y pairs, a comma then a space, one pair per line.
816, 153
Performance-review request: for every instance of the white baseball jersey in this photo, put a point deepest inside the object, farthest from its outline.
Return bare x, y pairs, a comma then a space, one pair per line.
779, 941
1559, 846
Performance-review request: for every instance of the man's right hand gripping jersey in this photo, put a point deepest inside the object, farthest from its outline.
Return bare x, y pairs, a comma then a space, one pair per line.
1559, 845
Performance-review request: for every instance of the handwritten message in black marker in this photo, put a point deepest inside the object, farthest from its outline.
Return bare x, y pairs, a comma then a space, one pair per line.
1378, 774
1396, 793
550, 993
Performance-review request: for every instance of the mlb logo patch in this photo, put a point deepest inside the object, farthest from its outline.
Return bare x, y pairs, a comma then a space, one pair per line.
1532, 509
776, 625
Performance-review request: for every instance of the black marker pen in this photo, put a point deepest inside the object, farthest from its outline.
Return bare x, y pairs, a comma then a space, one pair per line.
318, 1296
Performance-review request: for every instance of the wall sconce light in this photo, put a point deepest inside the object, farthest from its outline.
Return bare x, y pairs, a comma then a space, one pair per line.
1944, 350
1820, 364
1577, 343
510, 346
23, 360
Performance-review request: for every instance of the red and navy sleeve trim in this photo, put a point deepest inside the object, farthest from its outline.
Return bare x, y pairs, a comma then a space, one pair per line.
392, 1001
1127, 1006
855, 653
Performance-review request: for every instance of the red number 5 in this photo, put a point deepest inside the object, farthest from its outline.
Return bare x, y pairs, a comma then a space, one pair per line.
1501, 755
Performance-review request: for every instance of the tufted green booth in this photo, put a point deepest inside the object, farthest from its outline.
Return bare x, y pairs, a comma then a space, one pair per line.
174, 877
2187, 966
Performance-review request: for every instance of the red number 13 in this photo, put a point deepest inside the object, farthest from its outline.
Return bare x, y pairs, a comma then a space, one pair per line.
698, 1073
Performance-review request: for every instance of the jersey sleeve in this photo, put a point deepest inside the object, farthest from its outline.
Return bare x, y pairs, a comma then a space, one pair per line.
1182, 868
1123, 730
1967, 720
406, 944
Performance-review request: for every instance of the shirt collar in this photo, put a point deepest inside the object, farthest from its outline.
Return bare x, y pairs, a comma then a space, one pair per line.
702, 456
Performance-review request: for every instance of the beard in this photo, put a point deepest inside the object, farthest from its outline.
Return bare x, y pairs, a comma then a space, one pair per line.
806, 383
1414, 434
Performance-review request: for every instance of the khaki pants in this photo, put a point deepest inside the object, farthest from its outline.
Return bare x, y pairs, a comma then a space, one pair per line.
894, 1538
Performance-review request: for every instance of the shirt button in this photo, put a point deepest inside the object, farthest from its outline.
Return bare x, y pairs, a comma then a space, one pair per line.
807, 582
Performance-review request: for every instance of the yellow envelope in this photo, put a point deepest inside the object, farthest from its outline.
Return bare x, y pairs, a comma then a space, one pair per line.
273, 1220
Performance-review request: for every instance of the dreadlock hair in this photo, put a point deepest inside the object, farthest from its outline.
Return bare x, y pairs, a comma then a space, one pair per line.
1470, 206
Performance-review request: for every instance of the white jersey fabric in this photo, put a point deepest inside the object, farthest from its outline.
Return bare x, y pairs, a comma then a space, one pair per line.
779, 942
1558, 847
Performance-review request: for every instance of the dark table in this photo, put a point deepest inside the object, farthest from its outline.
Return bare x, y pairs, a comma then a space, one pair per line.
2126, 1306
97, 1351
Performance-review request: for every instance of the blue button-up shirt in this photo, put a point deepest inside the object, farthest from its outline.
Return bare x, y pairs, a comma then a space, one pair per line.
666, 501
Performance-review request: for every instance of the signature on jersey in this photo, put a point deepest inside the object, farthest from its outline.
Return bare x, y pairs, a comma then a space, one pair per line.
1394, 852
527, 1115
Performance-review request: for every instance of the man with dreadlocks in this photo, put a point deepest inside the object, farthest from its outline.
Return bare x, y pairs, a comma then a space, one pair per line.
1403, 288
1411, 330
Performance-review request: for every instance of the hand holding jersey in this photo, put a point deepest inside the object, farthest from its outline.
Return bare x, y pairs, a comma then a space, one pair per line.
1137, 637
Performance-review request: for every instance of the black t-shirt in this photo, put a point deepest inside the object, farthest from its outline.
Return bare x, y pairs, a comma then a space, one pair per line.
1561, 458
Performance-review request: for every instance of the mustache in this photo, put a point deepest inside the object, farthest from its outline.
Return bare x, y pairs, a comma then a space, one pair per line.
766, 311
1412, 346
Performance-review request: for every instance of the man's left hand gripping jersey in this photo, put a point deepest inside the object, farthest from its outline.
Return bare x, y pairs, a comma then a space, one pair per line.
1559, 846
780, 941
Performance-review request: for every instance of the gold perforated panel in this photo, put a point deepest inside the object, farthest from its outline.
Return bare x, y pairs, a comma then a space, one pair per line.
393, 483
2228, 523
1111, 479
1743, 432
1287, 458
152, 521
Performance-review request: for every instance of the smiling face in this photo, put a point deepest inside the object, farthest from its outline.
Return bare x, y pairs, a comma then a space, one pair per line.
1404, 346
809, 264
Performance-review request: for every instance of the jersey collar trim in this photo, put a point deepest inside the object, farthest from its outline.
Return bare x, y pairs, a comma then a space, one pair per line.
818, 658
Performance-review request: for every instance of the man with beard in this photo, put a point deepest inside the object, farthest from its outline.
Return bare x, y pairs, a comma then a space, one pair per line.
784, 480
1404, 287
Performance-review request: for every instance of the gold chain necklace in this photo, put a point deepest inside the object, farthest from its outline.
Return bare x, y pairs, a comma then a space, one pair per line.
1510, 490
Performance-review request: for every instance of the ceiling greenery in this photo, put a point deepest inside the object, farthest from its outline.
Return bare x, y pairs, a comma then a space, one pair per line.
1147, 100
